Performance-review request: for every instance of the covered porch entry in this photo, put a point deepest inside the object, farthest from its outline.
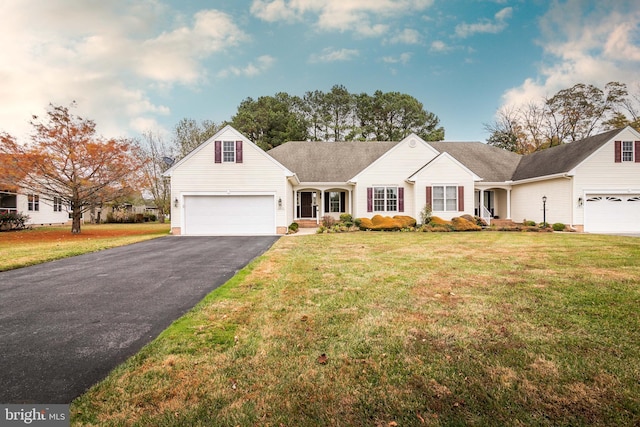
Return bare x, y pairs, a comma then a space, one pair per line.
312, 204
493, 202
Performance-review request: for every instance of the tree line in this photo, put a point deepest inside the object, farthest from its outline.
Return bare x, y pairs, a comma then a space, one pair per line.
572, 114
336, 115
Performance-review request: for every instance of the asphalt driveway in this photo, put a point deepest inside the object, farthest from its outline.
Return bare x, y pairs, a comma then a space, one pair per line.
65, 325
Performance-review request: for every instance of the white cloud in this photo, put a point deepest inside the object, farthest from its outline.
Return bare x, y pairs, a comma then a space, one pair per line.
252, 69
406, 36
497, 25
363, 17
404, 58
106, 54
592, 45
332, 55
439, 46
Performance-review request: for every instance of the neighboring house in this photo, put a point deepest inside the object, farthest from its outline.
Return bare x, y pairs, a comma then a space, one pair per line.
41, 210
228, 185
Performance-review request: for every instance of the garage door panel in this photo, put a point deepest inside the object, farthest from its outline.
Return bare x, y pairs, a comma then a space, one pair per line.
228, 215
612, 213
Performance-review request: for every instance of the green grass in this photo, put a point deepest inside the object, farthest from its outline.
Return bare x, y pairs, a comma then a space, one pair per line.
485, 329
28, 247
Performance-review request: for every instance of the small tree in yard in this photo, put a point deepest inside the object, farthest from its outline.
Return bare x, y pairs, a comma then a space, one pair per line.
66, 159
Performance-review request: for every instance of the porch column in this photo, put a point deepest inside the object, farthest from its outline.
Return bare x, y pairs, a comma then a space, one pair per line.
350, 202
508, 203
481, 204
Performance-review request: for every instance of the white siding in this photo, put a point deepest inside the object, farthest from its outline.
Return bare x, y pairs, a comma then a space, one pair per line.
600, 172
393, 169
526, 201
257, 173
45, 215
444, 171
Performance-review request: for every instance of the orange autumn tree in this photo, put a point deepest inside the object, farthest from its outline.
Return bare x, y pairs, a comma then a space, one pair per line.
66, 159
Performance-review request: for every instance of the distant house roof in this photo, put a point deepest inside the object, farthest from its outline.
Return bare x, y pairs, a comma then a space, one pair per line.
562, 158
329, 161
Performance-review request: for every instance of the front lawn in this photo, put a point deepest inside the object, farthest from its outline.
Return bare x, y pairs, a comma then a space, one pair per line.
367, 329
41, 244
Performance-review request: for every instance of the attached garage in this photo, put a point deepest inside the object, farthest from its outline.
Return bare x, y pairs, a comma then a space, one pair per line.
612, 213
229, 215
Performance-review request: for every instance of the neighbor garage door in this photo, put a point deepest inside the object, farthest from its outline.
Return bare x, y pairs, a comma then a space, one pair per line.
612, 213
229, 215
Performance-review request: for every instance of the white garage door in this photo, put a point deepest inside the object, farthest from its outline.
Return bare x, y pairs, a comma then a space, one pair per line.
229, 215
612, 213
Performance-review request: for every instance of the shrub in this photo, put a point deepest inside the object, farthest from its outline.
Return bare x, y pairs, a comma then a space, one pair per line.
529, 223
436, 220
558, 226
425, 214
406, 221
150, 218
328, 221
365, 224
346, 219
379, 222
13, 221
294, 227
462, 224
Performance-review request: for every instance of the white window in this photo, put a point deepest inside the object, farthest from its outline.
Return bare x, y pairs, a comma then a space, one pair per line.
445, 198
335, 202
33, 202
385, 199
627, 151
57, 204
228, 151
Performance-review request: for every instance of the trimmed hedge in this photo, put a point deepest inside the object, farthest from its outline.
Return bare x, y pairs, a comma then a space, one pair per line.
379, 223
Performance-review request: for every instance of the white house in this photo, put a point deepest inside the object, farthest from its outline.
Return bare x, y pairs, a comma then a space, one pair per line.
228, 185
41, 210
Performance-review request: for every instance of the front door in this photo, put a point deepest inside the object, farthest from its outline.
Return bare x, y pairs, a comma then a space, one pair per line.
307, 204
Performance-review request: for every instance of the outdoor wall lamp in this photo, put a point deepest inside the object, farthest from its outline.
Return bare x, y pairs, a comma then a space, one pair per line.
175, 202
279, 202
580, 201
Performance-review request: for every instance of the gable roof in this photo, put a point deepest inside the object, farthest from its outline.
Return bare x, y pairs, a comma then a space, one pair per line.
237, 134
321, 161
490, 163
439, 157
561, 158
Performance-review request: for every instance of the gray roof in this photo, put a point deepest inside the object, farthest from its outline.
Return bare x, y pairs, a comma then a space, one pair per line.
328, 161
562, 158
490, 163
341, 161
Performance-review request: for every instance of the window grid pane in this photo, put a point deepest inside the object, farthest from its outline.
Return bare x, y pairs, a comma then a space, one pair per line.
445, 198
334, 202
228, 151
392, 199
627, 151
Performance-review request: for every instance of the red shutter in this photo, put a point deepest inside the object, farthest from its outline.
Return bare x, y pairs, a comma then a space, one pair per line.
429, 198
400, 199
369, 199
218, 151
618, 157
238, 151
637, 152
461, 199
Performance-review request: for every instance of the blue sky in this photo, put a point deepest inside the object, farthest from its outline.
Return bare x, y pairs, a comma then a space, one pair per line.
135, 66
